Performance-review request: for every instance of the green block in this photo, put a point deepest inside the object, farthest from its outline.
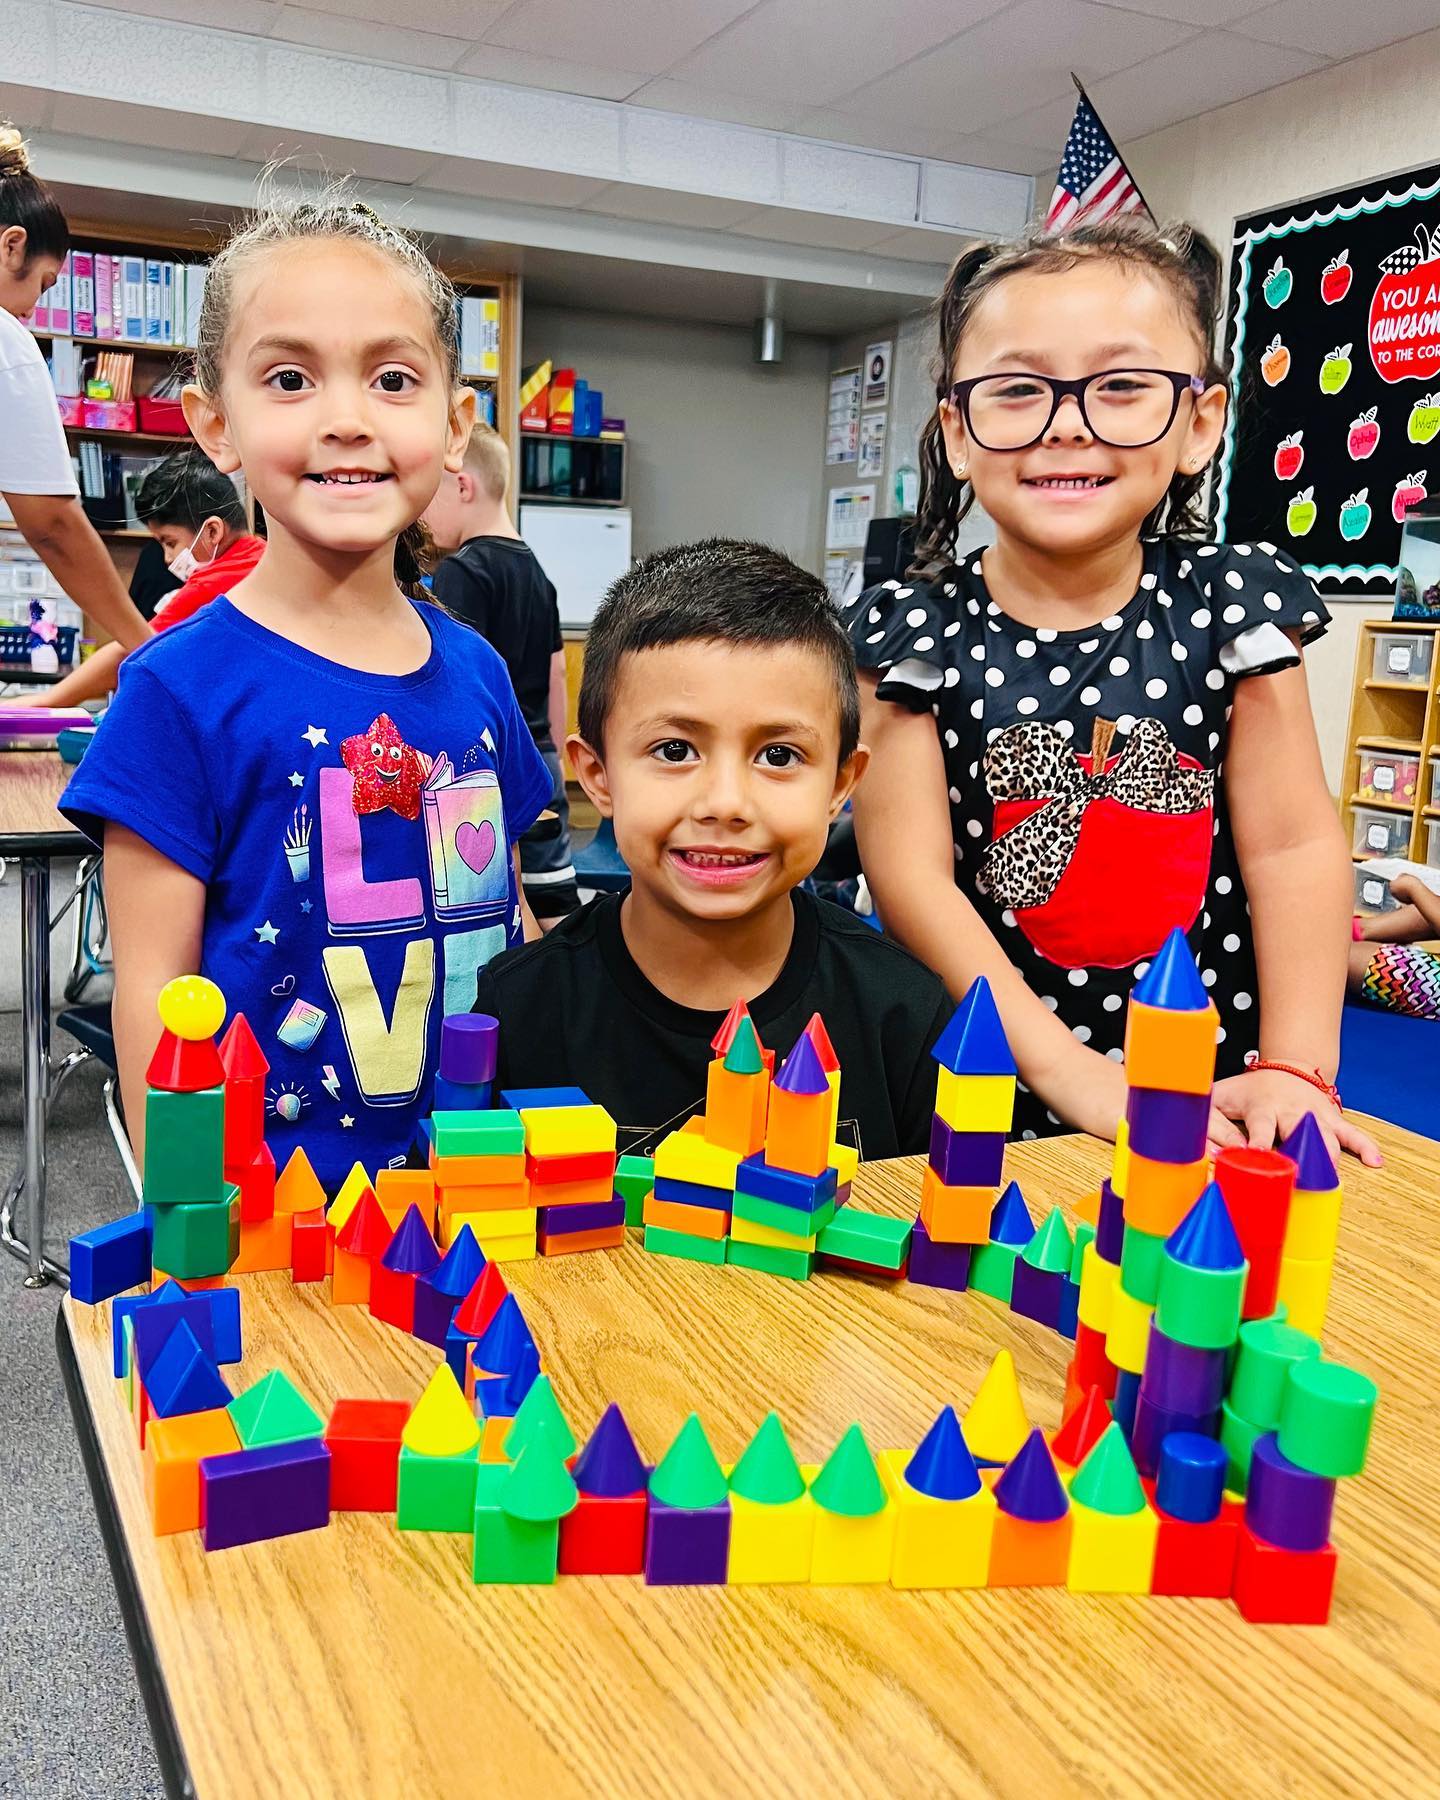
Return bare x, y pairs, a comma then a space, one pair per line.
196, 1240
273, 1411
992, 1270
509, 1551
681, 1244
634, 1179
498, 1133
1238, 1437
796, 1264
793, 1219
1266, 1352
184, 1148
1325, 1417
1141, 1255
873, 1238
1200, 1307
1084, 1234
437, 1493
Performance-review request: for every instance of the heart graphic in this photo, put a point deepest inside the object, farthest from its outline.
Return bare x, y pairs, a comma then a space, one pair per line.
475, 844
282, 988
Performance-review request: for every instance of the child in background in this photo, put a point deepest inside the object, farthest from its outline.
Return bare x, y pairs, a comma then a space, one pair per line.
1094, 730
309, 793
719, 729
1398, 974
492, 580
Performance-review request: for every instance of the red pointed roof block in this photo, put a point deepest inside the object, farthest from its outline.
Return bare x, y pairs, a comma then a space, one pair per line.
367, 1231
1081, 1429
482, 1303
722, 1039
241, 1054
824, 1049
185, 1065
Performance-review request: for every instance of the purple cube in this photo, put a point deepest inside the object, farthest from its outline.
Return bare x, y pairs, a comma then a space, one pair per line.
248, 1495
1179, 1378
1037, 1294
434, 1310
686, 1546
938, 1265
966, 1158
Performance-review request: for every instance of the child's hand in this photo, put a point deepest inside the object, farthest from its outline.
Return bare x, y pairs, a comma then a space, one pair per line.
1269, 1104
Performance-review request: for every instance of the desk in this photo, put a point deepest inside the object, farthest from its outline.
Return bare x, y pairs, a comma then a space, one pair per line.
31, 782
363, 1662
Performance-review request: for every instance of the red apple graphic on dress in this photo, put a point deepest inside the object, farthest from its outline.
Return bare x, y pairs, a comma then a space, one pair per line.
1409, 492
1277, 284
1404, 325
1335, 370
1300, 514
1355, 516
1289, 454
1335, 278
1275, 363
1364, 434
1424, 419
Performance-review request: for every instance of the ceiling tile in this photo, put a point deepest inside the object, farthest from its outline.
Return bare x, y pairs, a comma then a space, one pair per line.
666, 150
704, 103
1043, 128
661, 206
451, 18
335, 155
155, 127
507, 181
236, 15
815, 231
785, 48
1000, 153
28, 41
621, 34
1200, 13
564, 131
939, 247
837, 126
494, 63
1017, 61
1333, 28
306, 90
381, 43
1209, 71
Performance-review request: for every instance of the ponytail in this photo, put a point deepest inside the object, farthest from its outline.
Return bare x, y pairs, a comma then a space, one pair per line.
26, 202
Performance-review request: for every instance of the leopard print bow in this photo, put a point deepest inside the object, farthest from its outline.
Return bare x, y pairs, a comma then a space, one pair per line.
1033, 761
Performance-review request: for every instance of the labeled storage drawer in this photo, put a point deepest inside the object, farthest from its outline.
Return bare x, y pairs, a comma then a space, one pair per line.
1372, 893
1432, 843
1403, 656
1388, 775
1435, 778
1380, 833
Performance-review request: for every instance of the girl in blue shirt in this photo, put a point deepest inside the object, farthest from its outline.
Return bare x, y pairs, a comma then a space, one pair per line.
309, 792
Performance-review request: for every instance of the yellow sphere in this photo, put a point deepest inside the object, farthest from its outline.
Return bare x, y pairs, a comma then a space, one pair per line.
192, 1007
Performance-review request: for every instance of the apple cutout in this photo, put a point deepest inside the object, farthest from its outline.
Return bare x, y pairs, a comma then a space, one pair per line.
1409, 491
1277, 284
1424, 419
1364, 434
1289, 454
1275, 363
1355, 516
1335, 278
1335, 370
1300, 514
1404, 327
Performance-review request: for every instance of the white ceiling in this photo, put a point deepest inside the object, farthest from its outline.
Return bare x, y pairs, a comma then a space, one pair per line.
984, 82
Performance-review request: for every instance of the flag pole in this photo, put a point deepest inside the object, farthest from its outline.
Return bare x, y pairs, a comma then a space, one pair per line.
1080, 90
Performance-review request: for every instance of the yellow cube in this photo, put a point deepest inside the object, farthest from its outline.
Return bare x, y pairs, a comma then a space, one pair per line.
685, 1156
1099, 1283
938, 1543
515, 1221
1304, 1292
568, 1130
1313, 1227
850, 1550
1111, 1553
1128, 1333
746, 1231
844, 1160
770, 1543
975, 1102
510, 1248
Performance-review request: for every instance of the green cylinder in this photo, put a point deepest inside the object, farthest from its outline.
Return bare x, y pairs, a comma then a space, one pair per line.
1200, 1307
1084, 1234
1266, 1353
1141, 1255
1238, 1437
1325, 1417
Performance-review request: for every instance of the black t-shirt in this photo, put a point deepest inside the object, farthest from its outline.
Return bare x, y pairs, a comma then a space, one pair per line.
575, 1009
497, 585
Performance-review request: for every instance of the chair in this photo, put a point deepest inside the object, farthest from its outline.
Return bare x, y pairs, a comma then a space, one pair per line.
91, 1028
600, 865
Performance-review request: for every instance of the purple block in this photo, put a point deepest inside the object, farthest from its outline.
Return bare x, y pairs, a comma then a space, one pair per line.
1285, 1504
938, 1265
1037, 1293
434, 1311
1127, 1395
469, 1047
248, 1495
1167, 1127
966, 1158
686, 1546
1110, 1227
1180, 1378
1153, 1424
589, 1215
1068, 1322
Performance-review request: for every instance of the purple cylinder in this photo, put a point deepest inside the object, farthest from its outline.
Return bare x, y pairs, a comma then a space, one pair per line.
1284, 1504
1167, 1127
1180, 1378
966, 1158
469, 1045
1110, 1227
1153, 1424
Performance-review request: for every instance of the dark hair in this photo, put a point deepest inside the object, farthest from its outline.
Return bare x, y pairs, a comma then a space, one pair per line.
721, 590
187, 489
1177, 255
27, 202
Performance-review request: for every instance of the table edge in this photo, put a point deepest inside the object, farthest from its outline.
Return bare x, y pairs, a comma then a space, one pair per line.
164, 1731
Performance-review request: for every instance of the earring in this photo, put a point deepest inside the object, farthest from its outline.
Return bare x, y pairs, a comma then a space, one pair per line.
959, 471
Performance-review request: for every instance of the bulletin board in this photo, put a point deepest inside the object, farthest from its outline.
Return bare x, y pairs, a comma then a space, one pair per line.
1334, 331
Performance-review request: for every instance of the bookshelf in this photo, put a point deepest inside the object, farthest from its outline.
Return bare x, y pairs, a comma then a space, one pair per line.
1393, 723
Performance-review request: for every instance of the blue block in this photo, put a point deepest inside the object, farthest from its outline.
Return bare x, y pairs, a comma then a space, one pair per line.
806, 1193
183, 1379
520, 1098
1127, 1397
151, 1326
692, 1193
109, 1259
222, 1303
460, 1096
1069, 1320
457, 1349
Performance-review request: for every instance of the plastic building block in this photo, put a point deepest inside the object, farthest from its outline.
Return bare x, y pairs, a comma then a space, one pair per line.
1196, 1559
592, 1170
1191, 1481
845, 1161
737, 1095
173, 1452
1110, 1223
1303, 1288
538, 1486
1010, 1221
312, 1246
1202, 1282
1282, 1587
182, 1377
746, 1231
1180, 1378
441, 1423
597, 1215
400, 1190
796, 1265
605, 1533
683, 1156
1158, 1195
693, 1221
797, 1129
1029, 1487
955, 1215
854, 1535
497, 1398
214, 1317
273, 1411
354, 1187
772, 1523
1263, 1359
995, 1425
725, 1036
1112, 1545
634, 1178
1127, 1338
688, 1474
687, 1530
1165, 1126
184, 1147
438, 1294
1325, 1417
265, 1244
877, 1240
363, 1438
1312, 1228
1140, 1258
503, 1339
1035, 1293
973, 1041
183, 1066
568, 1130
1285, 1504
196, 1239
1083, 1234
777, 1217
691, 1194
760, 1178
938, 1265
359, 1244
1238, 1436
1314, 1168
297, 1187
473, 1171
481, 1303
477, 1134
469, 1047
1068, 1319
975, 1103
436, 1493
509, 1550
964, 1157
255, 1180
245, 1067
110, 1258
1257, 1186
992, 1270
191, 1006
1031, 1542
1092, 1364
269, 1492
539, 1412
1153, 1424
410, 1254
529, 1099
945, 1516
689, 1249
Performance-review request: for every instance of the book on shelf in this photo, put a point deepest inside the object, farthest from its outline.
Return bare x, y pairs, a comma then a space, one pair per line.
60, 299
82, 292
104, 296
134, 287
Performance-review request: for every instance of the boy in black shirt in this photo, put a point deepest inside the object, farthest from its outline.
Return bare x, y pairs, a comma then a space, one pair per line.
719, 726
492, 580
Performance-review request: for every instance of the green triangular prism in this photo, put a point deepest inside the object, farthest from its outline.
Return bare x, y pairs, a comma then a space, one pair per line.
1050, 1248
743, 1057
273, 1411
767, 1469
688, 1474
850, 1483
1107, 1481
539, 1411
538, 1486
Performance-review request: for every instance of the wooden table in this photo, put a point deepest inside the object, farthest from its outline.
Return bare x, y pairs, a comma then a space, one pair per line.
360, 1661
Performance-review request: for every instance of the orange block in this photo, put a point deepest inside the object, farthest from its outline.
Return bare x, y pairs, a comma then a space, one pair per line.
504, 1197
955, 1215
1159, 1194
265, 1244
609, 1237
297, 1188
1174, 1051
797, 1132
477, 1171
173, 1448
736, 1108
192, 1284
1087, 1207
492, 1438
592, 1192
695, 1221
1026, 1554
350, 1279
398, 1190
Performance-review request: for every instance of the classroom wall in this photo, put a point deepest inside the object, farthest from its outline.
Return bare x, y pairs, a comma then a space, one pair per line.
1366, 117
718, 444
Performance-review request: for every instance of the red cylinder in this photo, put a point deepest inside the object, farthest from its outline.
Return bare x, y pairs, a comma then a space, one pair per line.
1257, 1185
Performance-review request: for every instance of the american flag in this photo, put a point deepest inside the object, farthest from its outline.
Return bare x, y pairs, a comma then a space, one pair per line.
1094, 183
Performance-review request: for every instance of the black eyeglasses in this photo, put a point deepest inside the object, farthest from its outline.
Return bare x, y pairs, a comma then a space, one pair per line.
1125, 408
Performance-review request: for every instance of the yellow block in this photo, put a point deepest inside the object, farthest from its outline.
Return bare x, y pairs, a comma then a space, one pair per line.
844, 1160
518, 1222
1111, 1553
497, 1249
1098, 1282
1128, 1333
770, 1543
849, 1550
975, 1102
345, 1202
938, 1543
746, 1231
1313, 1227
1304, 1292
567, 1130
833, 1077
1120, 1167
685, 1156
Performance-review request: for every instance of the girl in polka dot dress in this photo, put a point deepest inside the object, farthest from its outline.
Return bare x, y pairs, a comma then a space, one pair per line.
1098, 728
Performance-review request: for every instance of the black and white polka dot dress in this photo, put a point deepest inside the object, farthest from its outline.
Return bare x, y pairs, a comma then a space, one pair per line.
1085, 769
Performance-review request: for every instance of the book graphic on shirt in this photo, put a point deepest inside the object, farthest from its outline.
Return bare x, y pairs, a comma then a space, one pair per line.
1098, 856
465, 834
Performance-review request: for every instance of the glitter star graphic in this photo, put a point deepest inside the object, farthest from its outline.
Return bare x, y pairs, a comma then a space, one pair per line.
386, 770
346, 1121
316, 735
296, 778
267, 933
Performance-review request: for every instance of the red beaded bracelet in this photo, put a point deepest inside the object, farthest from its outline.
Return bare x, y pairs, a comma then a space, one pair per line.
1254, 1061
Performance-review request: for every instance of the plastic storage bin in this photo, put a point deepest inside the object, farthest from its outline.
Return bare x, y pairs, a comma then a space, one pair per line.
1432, 843
1380, 833
1434, 778
1372, 892
1403, 656
1388, 775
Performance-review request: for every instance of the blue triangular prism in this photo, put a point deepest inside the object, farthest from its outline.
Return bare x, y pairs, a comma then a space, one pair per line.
183, 1379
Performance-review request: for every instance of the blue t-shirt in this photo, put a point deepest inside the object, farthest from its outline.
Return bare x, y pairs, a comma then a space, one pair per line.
353, 832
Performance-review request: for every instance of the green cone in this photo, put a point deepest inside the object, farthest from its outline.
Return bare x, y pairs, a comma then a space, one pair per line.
1107, 1481
850, 1483
1050, 1247
539, 1410
743, 1057
538, 1487
767, 1470
273, 1411
688, 1474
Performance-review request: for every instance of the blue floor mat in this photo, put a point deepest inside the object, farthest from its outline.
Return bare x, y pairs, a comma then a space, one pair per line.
1390, 1066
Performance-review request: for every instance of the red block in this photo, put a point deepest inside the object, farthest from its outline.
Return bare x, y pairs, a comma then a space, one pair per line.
604, 1535
1196, 1559
849, 1265
1282, 1587
256, 1182
587, 1165
363, 1438
312, 1246
1093, 1368
392, 1297
184, 1065
1257, 1185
